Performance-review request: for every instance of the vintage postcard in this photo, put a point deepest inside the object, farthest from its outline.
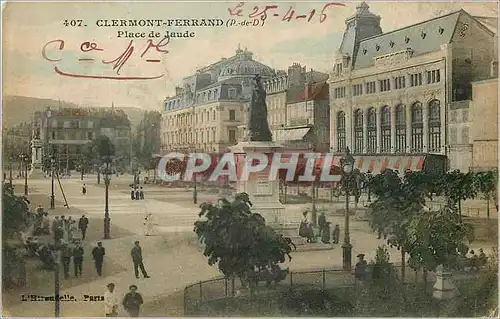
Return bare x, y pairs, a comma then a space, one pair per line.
253, 159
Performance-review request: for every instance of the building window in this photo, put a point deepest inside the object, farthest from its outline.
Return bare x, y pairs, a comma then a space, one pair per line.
53, 135
232, 115
232, 93
341, 136
90, 124
90, 135
385, 125
339, 93
400, 128
416, 79
465, 135
232, 135
453, 136
357, 89
434, 126
465, 116
433, 76
417, 128
385, 85
358, 131
372, 131
370, 87
399, 82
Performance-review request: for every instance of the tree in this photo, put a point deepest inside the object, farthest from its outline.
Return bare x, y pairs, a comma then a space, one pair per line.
437, 238
15, 212
100, 149
147, 138
239, 241
487, 184
397, 201
458, 186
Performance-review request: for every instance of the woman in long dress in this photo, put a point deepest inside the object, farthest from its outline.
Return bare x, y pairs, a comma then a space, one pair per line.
148, 222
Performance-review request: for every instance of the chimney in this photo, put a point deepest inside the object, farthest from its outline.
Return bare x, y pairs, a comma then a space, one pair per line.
178, 91
294, 74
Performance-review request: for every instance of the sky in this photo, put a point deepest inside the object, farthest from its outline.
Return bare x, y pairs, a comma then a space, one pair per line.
28, 27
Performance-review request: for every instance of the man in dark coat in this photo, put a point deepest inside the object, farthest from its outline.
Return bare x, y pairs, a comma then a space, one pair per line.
98, 256
132, 193
137, 194
132, 301
361, 267
78, 259
136, 254
322, 223
83, 223
141, 193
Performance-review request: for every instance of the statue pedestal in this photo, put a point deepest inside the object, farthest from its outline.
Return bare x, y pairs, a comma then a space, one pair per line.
264, 194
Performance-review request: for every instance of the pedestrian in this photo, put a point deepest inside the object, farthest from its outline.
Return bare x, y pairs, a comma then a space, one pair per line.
110, 301
322, 223
82, 225
325, 235
482, 258
84, 189
137, 194
336, 234
55, 224
65, 259
98, 255
136, 254
360, 269
78, 259
141, 193
133, 301
148, 222
132, 193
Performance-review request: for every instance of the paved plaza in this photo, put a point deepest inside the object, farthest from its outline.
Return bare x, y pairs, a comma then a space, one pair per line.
172, 257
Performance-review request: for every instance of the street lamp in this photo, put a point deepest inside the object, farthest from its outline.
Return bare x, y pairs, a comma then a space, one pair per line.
107, 179
347, 163
10, 170
24, 161
52, 197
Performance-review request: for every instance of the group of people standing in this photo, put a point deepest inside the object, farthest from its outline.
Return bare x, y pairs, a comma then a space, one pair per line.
131, 302
307, 230
136, 193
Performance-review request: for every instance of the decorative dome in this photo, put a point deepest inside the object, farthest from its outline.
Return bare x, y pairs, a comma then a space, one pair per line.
245, 66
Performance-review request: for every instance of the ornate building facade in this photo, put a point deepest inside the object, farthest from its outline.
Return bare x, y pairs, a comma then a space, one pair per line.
205, 113
65, 132
391, 93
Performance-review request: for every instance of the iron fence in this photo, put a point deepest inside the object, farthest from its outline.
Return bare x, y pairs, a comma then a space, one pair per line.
198, 293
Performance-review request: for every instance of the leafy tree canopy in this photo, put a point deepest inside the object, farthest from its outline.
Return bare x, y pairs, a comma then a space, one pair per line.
102, 147
14, 211
238, 240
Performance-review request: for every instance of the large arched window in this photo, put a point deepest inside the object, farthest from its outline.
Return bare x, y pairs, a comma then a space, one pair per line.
341, 132
434, 126
358, 131
400, 128
417, 128
385, 126
372, 131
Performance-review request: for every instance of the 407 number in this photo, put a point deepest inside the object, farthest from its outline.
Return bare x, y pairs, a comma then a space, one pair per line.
73, 23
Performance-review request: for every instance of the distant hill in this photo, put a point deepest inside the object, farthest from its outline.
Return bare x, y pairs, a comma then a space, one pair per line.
19, 109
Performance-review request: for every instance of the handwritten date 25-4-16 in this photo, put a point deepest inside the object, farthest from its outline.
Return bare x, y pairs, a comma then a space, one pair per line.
272, 10
116, 63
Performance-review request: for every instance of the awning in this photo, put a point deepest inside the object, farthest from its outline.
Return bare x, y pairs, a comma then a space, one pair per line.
378, 164
292, 135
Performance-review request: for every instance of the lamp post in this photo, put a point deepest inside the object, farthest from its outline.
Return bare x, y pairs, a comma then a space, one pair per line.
57, 259
369, 178
24, 160
347, 163
52, 197
10, 171
107, 178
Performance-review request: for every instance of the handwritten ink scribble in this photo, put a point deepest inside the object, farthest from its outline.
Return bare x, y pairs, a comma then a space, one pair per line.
89, 46
262, 12
105, 77
117, 62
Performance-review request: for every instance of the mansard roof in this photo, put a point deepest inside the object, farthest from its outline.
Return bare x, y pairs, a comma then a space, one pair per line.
423, 37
